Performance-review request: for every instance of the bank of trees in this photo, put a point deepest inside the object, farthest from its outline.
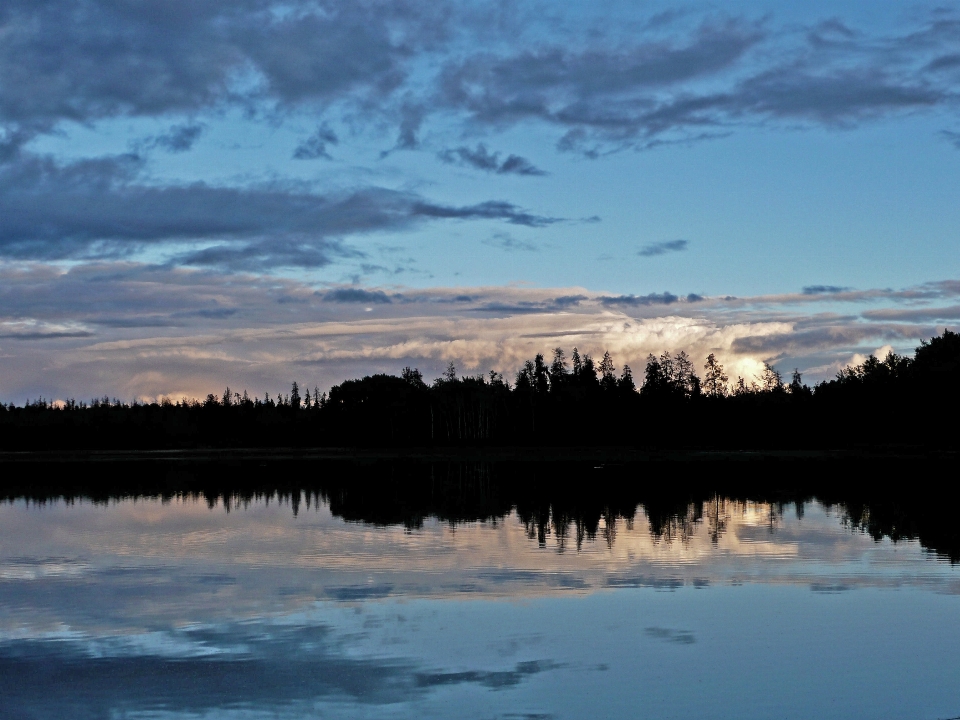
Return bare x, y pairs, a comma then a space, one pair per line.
568, 400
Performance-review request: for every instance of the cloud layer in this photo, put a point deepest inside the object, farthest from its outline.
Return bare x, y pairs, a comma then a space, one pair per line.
408, 67
102, 208
132, 330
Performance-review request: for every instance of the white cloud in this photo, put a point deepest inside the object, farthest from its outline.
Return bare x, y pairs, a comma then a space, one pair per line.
131, 330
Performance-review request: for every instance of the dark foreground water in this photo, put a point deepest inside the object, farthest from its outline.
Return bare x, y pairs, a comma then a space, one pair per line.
197, 606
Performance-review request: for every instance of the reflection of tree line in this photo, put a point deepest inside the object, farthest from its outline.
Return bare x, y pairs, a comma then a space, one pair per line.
560, 505
895, 400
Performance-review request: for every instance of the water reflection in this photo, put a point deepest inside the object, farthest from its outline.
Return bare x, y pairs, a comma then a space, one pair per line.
471, 594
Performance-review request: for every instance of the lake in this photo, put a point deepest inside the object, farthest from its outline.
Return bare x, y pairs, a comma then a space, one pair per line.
438, 600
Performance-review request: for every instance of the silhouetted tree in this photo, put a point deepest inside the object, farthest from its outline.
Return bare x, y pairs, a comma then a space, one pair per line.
608, 376
576, 362
715, 379
797, 388
558, 369
770, 379
414, 377
450, 374
541, 377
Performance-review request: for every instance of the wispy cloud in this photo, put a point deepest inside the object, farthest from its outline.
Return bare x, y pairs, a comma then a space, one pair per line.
824, 289
101, 208
357, 295
505, 241
178, 139
482, 159
661, 248
315, 146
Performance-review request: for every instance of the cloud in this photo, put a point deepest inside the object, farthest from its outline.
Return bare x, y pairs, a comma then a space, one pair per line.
953, 137
178, 139
482, 159
135, 330
649, 92
179, 56
664, 298
507, 242
402, 65
315, 146
921, 315
357, 295
823, 289
662, 248
99, 208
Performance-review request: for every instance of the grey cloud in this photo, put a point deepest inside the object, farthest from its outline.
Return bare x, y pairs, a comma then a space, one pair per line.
411, 118
482, 159
177, 139
823, 289
952, 136
633, 96
516, 165
569, 300
921, 315
315, 146
168, 56
830, 97
662, 248
532, 83
826, 336
945, 62
357, 295
98, 208
594, 88
509, 243
664, 298
490, 210
45, 335
520, 308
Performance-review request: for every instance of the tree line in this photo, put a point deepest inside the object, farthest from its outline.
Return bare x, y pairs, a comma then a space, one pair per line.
573, 400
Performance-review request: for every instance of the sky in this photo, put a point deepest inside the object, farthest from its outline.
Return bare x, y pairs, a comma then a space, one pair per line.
200, 193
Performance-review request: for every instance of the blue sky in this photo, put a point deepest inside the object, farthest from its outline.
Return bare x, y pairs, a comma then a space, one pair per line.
172, 173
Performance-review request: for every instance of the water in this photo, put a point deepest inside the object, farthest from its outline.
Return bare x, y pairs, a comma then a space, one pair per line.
190, 607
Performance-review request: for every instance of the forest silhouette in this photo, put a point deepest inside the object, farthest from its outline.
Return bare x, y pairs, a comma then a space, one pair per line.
889, 403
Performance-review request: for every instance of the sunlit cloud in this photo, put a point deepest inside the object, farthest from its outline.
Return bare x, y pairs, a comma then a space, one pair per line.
156, 331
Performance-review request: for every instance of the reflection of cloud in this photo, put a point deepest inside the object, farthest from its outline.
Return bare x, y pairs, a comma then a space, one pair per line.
248, 665
679, 637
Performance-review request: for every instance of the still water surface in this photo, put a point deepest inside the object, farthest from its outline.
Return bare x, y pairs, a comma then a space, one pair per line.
176, 609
